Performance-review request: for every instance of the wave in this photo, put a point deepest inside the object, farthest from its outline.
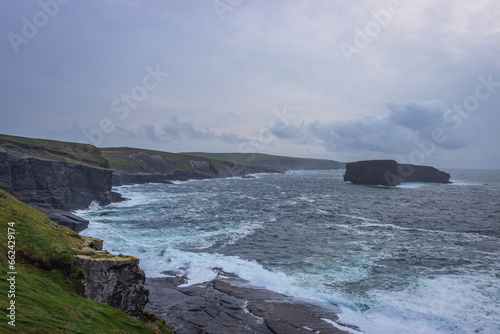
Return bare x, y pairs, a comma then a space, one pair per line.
440, 304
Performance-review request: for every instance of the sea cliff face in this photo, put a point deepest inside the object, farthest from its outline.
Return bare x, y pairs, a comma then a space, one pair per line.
54, 184
132, 166
390, 173
112, 279
55, 177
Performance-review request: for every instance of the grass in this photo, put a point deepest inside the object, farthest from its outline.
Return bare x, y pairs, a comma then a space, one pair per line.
244, 158
45, 299
116, 157
38, 239
82, 154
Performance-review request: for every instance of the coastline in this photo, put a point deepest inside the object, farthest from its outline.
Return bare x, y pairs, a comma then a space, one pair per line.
229, 304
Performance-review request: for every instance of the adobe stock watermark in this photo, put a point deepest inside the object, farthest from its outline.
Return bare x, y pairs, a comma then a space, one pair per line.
265, 135
31, 26
222, 7
363, 37
455, 118
121, 106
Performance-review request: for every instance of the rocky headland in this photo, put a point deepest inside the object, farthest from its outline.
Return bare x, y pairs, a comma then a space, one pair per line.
136, 166
55, 177
274, 162
390, 173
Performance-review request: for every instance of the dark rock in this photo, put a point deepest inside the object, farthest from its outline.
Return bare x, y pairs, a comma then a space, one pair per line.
390, 173
414, 173
373, 172
115, 280
93, 243
229, 305
117, 197
143, 167
55, 186
65, 218
62, 185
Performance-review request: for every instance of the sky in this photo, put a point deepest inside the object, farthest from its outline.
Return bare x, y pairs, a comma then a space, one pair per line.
415, 81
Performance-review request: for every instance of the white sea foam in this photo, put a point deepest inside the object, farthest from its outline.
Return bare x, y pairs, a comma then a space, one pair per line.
338, 326
464, 183
360, 218
444, 304
412, 185
306, 199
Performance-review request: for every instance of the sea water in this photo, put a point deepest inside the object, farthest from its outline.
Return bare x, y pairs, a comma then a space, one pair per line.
416, 258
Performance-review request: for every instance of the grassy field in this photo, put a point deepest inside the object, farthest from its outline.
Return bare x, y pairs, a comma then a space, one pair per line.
45, 298
83, 154
244, 158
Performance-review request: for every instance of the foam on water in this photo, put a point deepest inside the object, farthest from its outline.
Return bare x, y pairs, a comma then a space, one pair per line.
411, 185
443, 304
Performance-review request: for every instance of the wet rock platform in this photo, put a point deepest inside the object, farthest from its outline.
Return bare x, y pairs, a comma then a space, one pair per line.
230, 305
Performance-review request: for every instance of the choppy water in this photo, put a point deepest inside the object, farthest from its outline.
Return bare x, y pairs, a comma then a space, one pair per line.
417, 258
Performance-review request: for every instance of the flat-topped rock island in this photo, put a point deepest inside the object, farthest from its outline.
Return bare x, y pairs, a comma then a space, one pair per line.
391, 173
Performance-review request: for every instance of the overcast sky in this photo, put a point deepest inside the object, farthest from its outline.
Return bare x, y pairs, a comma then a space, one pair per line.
415, 81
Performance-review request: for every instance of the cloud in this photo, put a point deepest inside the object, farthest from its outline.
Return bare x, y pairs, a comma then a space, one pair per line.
399, 132
176, 131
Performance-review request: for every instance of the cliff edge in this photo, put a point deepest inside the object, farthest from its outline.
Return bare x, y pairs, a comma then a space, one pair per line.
133, 165
55, 177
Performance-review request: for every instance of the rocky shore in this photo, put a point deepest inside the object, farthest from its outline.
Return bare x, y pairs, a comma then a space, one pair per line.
228, 305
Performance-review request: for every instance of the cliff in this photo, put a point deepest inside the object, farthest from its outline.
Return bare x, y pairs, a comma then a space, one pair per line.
112, 279
44, 294
274, 162
55, 176
131, 165
390, 173
414, 173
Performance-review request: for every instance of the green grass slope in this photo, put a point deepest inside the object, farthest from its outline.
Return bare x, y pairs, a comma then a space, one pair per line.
45, 299
247, 158
83, 154
119, 159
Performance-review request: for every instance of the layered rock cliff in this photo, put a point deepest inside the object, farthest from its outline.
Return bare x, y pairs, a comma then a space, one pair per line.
55, 177
132, 165
274, 162
390, 173
115, 280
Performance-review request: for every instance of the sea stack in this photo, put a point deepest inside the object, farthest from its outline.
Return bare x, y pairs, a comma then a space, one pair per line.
390, 173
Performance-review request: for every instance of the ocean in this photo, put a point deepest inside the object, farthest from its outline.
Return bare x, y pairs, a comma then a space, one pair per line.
415, 258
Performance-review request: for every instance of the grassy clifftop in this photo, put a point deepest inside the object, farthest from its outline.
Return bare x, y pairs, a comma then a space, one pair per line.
45, 299
119, 158
271, 161
83, 154
246, 158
